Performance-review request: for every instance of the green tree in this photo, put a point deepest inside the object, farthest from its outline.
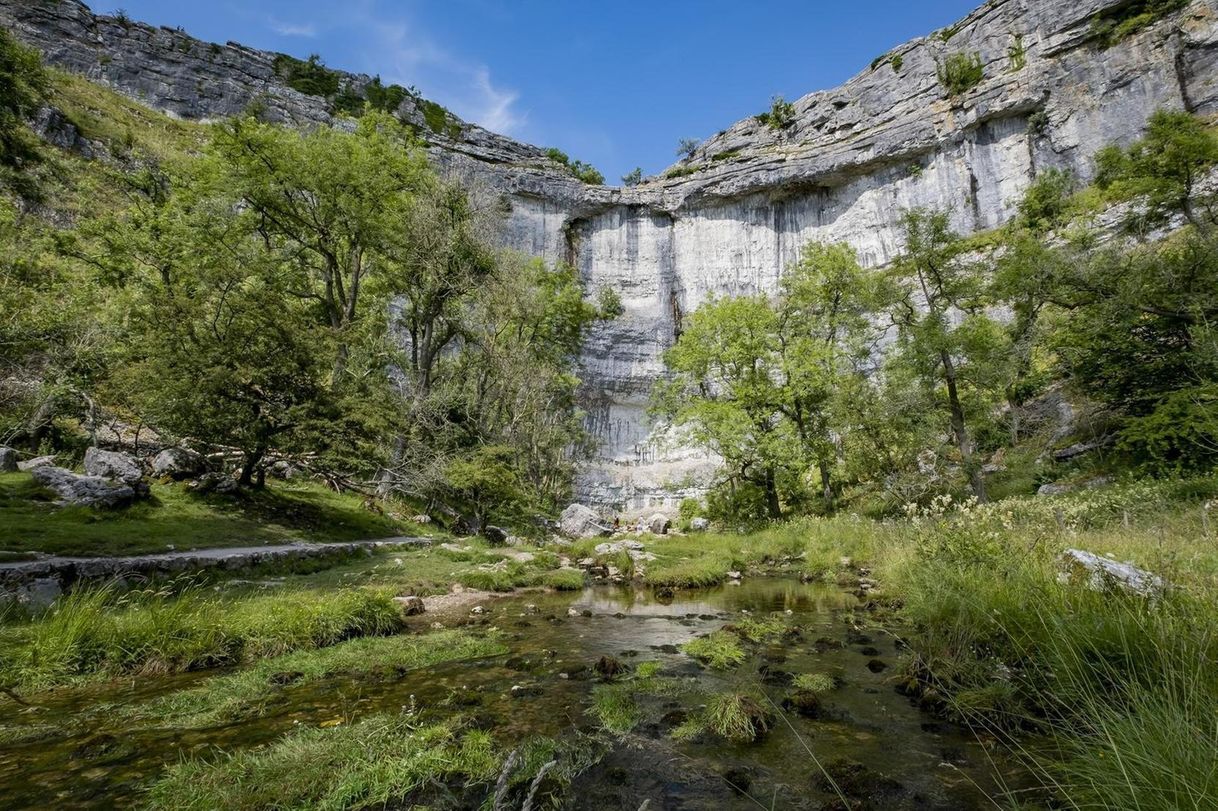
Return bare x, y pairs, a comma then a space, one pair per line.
944, 333
23, 89
824, 332
726, 391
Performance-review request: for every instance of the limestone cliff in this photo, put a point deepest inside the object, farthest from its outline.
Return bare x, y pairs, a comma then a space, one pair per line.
729, 220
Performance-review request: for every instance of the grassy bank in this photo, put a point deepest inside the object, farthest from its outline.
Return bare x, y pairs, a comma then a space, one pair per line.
365, 765
1121, 691
228, 698
101, 634
283, 511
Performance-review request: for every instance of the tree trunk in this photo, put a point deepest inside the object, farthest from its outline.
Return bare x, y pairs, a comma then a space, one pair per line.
825, 484
250, 464
771, 495
961, 432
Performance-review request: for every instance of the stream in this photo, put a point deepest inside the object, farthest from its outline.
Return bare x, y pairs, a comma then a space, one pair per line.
910, 759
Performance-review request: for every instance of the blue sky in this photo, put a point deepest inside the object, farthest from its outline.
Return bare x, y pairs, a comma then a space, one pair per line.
612, 83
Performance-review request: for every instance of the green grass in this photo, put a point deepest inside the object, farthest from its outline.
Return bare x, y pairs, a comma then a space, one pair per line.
814, 682
739, 717
765, 629
381, 761
615, 707
30, 521
99, 634
718, 649
228, 698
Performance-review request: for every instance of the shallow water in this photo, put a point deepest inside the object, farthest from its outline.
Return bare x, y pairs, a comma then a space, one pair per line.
929, 764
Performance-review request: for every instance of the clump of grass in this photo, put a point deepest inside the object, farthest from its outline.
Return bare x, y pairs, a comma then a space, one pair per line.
719, 649
563, 579
224, 699
615, 707
380, 761
765, 629
709, 570
100, 634
739, 717
814, 683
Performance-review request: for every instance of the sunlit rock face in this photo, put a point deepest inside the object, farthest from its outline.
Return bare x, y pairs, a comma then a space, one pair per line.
853, 159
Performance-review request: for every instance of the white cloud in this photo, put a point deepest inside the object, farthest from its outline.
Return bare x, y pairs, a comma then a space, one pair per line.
290, 29
464, 86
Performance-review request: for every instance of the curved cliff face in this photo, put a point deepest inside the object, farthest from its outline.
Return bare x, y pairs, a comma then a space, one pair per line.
853, 159
740, 209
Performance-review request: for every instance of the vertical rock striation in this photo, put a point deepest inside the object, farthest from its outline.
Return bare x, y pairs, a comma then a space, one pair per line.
732, 216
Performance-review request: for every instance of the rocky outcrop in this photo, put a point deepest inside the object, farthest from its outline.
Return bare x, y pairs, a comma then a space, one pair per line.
75, 490
578, 521
1104, 574
729, 219
113, 465
176, 463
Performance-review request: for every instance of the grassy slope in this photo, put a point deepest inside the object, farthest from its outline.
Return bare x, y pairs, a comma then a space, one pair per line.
175, 517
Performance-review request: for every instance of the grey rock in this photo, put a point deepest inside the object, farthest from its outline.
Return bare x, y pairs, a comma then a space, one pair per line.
37, 461
1104, 574
8, 460
411, 605
219, 483
1078, 449
578, 521
1053, 489
74, 489
659, 524
283, 469
176, 463
113, 465
498, 536
699, 524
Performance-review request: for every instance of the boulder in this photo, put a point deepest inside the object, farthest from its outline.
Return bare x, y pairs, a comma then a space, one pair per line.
282, 469
411, 605
176, 463
74, 489
699, 524
1105, 574
578, 521
1053, 489
658, 524
113, 465
214, 483
618, 546
498, 536
37, 461
8, 460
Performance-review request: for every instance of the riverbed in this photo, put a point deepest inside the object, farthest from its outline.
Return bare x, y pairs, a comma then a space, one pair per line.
901, 757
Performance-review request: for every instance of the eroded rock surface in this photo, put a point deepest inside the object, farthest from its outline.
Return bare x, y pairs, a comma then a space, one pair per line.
740, 209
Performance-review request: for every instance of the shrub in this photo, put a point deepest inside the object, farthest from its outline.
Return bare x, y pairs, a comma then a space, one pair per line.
686, 147
781, 114
1018, 54
897, 63
961, 72
439, 119
310, 76
1047, 199
634, 177
1113, 24
681, 171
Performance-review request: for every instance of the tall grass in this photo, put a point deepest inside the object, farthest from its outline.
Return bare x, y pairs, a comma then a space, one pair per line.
1123, 688
101, 633
382, 761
